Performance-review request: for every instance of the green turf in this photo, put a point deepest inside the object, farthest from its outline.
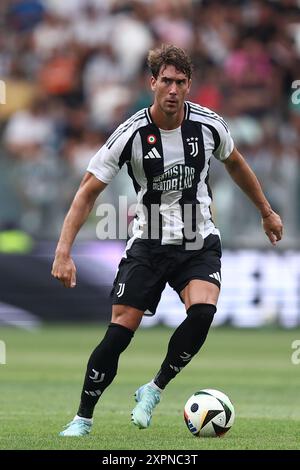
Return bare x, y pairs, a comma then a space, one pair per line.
41, 382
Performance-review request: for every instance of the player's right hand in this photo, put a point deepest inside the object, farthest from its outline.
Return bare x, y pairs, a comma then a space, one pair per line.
64, 270
273, 227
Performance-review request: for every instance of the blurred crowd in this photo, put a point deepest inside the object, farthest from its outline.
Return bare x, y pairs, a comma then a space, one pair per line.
72, 70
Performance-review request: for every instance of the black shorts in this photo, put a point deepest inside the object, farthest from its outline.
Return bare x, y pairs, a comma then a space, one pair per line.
143, 274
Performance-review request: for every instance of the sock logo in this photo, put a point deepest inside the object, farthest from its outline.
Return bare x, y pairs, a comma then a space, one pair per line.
121, 289
177, 369
95, 378
186, 357
95, 393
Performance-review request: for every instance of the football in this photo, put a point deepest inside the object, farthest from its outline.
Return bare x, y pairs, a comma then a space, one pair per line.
209, 413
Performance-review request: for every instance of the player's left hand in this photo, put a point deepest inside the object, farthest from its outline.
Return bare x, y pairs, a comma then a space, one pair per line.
273, 227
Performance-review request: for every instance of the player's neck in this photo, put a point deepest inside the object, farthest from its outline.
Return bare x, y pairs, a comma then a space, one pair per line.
166, 121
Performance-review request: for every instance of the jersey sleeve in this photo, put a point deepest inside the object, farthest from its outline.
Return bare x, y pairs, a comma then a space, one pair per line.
107, 162
225, 144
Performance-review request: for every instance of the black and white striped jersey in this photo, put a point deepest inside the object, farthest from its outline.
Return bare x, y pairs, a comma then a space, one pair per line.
169, 170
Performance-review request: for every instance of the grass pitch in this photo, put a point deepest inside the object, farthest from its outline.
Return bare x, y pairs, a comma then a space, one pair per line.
41, 384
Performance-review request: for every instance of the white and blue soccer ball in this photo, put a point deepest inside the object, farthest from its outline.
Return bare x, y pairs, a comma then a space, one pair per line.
209, 413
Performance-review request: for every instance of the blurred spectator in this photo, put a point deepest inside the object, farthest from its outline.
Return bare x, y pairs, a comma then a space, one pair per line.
38, 179
102, 68
52, 34
93, 27
59, 75
28, 128
131, 39
171, 25
78, 151
19, 90
250, 77
206, 91
24, 15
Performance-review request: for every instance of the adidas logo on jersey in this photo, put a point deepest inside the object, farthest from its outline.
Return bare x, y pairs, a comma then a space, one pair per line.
153, 154
216, 276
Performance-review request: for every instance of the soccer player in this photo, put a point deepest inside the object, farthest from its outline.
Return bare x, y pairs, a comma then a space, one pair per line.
167, 148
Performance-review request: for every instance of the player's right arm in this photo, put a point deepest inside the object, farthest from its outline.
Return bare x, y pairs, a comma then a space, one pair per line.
63, 267
102, 168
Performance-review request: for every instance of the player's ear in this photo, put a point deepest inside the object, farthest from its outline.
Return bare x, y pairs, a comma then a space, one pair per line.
189, 86
153, 83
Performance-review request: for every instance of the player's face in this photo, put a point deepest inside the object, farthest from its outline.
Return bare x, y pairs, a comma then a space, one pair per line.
170, 89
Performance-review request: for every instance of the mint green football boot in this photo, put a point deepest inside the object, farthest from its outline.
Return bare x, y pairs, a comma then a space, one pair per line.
76, 428
147, 398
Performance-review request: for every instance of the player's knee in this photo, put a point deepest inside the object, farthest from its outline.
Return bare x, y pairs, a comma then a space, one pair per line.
127, 316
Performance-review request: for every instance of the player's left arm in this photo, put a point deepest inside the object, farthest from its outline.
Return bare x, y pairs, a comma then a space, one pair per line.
246, 179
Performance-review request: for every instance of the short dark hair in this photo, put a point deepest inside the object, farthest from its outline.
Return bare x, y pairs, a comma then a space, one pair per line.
169, 55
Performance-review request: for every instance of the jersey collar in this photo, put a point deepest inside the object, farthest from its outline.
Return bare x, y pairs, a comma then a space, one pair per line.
186, 113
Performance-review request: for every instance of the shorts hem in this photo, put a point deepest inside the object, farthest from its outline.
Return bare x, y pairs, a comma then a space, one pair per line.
199, 278
139, 307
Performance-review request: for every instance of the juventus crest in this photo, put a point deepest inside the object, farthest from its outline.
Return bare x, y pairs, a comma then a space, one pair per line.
193, 143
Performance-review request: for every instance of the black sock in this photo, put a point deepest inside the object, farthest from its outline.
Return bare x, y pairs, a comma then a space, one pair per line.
102, 367
185, 342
